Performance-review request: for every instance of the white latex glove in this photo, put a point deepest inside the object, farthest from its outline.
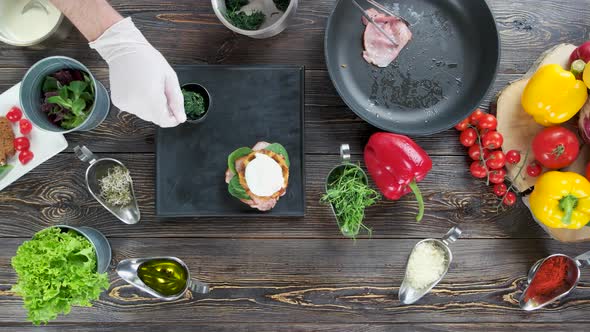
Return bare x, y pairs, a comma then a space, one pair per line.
142, 81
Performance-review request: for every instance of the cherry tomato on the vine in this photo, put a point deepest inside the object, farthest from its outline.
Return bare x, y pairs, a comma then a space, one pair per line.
497, 176
14, 114
513, 157
496, 160
475, 152
509, 199
476, 116
468, 137
462, 125
534, 169
487, 122
478, 170
492, 140
500, 189
25, 126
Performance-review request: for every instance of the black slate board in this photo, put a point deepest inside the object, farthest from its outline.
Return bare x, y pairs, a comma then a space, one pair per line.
248, 104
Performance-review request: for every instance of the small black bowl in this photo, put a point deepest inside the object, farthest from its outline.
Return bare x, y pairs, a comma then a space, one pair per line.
194, 87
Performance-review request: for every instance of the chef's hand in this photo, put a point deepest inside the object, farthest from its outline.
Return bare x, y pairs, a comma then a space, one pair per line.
142, 82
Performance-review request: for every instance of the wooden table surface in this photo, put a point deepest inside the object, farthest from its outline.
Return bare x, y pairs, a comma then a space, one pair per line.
295, 274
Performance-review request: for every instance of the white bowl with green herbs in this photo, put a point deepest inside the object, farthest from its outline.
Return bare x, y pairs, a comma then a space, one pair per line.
255, 18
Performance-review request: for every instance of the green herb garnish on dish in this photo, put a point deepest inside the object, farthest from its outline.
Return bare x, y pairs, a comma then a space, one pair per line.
115, 187
56, 270
349, 194
194, 104
241, 20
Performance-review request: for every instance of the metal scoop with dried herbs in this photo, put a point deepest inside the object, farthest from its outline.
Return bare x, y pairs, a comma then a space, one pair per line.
349, 194
115, 187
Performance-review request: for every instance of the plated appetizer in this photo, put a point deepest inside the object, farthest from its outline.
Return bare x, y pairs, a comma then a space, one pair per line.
258, 176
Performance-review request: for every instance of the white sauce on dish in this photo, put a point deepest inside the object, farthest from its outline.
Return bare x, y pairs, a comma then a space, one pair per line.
264, 175
33, 25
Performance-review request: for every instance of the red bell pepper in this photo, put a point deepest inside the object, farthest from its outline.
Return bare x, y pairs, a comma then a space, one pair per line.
397, 164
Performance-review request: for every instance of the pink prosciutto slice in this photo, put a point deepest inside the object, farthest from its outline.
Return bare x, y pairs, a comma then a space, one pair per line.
379, 50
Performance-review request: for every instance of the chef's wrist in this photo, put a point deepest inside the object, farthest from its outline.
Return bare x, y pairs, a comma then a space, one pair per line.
91, 17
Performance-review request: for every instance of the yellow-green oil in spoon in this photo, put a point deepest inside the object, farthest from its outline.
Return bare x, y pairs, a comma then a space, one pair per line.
165, 276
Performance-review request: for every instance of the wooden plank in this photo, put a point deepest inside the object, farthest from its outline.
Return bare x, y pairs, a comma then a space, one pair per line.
57, 194
328, 122
172, 326
321, 281
186, 31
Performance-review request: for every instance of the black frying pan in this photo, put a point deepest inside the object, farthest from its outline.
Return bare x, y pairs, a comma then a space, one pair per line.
438, 79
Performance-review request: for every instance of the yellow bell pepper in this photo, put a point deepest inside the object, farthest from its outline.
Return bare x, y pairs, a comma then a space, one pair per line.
553, 95
561, 200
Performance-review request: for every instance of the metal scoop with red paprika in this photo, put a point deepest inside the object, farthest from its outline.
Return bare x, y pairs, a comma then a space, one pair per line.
397, 164
551, 279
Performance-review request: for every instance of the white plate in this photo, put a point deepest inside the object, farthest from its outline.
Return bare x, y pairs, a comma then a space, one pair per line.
44, 145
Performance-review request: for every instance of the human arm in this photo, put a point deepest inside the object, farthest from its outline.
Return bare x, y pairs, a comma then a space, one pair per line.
141, 80
91, 17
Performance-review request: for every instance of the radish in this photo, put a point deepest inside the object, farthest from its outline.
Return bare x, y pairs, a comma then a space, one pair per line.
581, 53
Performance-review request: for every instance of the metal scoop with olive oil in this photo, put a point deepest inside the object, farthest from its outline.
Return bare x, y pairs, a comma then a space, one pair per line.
166, 278
409, 294
531, 299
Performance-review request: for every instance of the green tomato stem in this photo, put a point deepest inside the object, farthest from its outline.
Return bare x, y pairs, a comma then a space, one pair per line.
416, 190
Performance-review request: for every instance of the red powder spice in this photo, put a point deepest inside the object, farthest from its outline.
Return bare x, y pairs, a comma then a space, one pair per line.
555, 276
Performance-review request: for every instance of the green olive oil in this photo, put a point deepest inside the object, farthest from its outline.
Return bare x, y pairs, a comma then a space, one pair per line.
165, 276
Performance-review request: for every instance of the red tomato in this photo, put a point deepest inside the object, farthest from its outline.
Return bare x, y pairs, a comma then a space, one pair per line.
510, 199
21, 144
468, 137
556, 147
25, 126
492, 140
497, 176
14, 114
475, 117
475, 152
462, 125
534, 169
500, 189
487, 122
478, 170
25, 156
496, 160
513, 157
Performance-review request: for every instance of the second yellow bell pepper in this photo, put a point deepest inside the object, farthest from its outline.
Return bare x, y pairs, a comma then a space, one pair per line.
561, 200
553, 95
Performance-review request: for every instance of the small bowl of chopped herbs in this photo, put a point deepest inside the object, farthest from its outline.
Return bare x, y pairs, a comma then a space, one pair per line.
60, 94
197, 102
255, 18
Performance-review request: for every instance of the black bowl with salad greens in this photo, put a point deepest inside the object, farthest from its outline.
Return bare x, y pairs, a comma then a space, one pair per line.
255, 18
60, 94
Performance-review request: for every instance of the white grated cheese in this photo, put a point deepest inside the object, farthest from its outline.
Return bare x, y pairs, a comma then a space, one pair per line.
426, 265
